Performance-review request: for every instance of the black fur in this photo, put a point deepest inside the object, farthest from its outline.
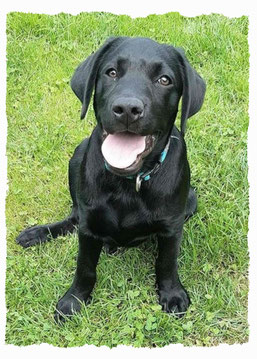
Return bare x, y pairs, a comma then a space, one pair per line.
106, 207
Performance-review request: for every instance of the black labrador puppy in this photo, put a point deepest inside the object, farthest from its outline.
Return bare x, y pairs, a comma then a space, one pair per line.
130, 179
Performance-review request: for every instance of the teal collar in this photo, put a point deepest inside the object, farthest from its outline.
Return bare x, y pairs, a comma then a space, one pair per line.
145, 176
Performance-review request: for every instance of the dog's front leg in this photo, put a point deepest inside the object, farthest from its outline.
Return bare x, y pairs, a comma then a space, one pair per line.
172, 296
85, 277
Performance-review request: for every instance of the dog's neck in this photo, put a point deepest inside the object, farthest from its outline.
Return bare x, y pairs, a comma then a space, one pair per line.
154, 156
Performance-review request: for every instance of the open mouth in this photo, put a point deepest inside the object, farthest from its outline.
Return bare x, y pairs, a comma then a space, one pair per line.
124, 152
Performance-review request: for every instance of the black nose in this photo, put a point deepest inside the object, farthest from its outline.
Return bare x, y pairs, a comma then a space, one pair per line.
128, 109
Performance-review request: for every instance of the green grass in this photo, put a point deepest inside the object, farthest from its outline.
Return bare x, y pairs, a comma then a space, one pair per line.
43, 130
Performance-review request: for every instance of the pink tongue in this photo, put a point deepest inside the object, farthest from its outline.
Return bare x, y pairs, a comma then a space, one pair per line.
121, 149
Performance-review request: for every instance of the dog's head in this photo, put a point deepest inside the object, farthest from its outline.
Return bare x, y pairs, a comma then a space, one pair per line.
138, 84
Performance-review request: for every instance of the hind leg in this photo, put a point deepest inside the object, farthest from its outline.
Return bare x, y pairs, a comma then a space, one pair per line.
43, 233
40, 234
191, 205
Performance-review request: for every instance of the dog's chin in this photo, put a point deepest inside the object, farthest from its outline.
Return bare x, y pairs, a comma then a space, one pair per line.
147, 144
128, 171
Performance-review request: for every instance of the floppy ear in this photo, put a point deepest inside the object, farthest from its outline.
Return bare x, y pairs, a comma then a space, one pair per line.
84, 77
193, 90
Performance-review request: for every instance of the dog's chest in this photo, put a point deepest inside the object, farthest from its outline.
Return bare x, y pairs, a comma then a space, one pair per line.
122, 219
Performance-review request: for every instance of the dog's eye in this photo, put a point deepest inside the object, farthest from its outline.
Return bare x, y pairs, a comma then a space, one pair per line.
112, 73
164, 81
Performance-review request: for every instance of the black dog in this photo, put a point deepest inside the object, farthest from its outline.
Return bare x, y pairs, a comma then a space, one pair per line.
130, 179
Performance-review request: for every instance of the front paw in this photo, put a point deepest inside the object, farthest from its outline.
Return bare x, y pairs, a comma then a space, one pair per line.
68, 305
174, 300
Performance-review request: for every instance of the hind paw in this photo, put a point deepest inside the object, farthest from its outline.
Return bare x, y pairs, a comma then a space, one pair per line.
33, 235
110, 249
